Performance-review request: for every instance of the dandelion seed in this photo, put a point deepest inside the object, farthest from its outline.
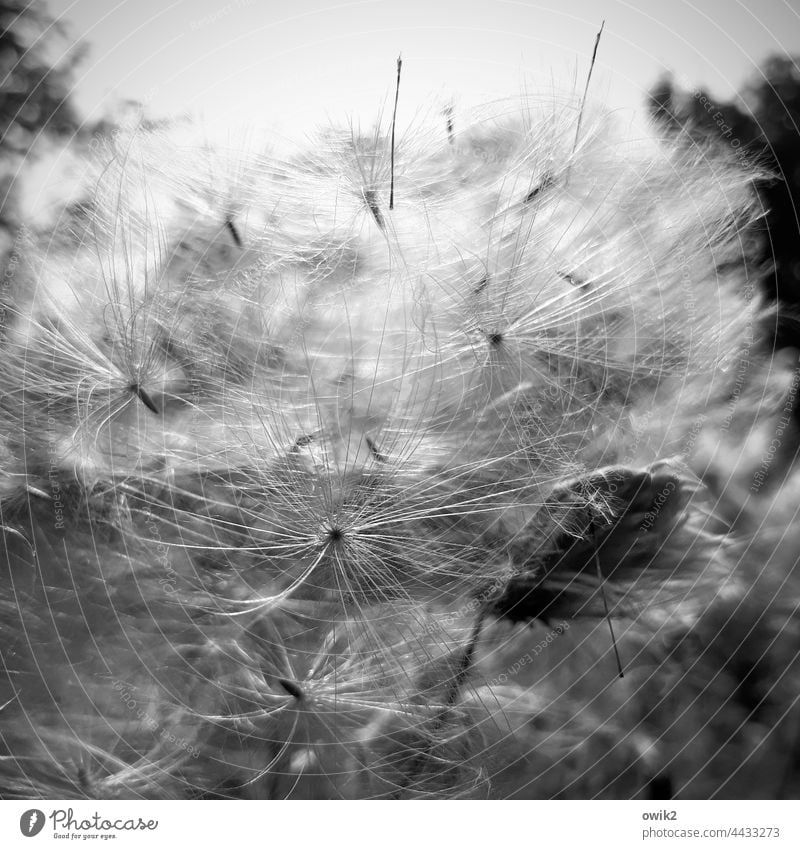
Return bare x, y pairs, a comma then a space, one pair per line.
371, 200
448, 114
291, 688
142, 395
237, 239
547, 182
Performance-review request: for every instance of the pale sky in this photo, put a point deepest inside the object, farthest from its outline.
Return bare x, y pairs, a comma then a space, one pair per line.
292, 65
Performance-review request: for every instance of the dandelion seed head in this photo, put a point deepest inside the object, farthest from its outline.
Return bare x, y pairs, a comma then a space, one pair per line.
307, 475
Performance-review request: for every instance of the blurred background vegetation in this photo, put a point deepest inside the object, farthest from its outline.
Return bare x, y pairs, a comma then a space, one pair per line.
37, 72
37, 66
762, 126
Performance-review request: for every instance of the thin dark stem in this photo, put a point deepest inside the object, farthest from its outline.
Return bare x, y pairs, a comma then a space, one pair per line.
464, 667
394, 121
450, 700
586, 87
608, 616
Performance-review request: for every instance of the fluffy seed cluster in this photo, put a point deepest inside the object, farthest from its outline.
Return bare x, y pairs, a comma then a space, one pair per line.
306, 496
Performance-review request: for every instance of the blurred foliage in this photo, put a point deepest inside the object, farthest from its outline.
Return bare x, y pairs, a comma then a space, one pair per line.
762, 127
37, 64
